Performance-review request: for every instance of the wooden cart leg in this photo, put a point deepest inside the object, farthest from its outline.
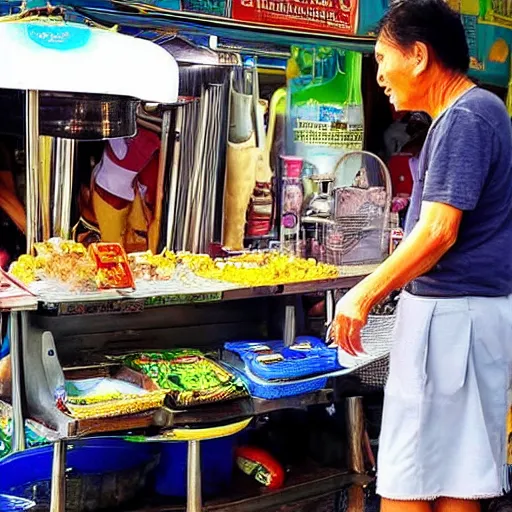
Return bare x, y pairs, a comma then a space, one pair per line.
355, 432
18, 436
32, 169
58, 496
194, 494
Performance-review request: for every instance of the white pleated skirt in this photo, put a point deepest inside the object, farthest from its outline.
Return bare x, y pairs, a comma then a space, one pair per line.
444, 419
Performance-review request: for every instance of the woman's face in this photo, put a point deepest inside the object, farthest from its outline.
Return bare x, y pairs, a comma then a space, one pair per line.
398, 73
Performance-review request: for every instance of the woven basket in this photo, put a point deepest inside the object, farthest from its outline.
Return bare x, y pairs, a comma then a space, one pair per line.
375, 374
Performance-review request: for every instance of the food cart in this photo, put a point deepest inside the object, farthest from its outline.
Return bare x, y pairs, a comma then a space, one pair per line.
57, 334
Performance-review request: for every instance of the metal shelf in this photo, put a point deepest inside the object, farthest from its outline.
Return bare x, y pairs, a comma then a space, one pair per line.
165, 418
238, 410
126, 302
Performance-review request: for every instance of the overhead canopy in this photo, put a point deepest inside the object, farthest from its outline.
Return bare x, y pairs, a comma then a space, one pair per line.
66, 57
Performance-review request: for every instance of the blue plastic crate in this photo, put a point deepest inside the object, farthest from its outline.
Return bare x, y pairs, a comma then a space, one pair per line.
273, 390
317, 360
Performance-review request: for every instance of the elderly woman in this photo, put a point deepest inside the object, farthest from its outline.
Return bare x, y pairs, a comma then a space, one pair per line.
443, 438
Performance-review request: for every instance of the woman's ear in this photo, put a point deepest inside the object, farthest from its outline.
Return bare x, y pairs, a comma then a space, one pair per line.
421, 56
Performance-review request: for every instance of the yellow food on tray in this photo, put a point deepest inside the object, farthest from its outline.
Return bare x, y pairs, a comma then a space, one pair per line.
59, 246
127, 404
149, 266
26, 268
198, 263
63, 260
77, 270
259, 268
70, 263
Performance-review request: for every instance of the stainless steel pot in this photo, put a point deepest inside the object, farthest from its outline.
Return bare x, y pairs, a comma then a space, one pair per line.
71, 115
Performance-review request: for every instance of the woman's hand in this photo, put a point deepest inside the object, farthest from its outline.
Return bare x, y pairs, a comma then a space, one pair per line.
351, 317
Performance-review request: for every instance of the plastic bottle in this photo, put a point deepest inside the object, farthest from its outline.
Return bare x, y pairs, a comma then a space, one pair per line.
291, 205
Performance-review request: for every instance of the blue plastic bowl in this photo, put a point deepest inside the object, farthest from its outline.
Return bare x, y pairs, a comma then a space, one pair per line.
217, 463
83, 457
94, 468
13, 503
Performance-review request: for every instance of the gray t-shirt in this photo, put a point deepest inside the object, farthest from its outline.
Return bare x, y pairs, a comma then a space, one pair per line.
466, 162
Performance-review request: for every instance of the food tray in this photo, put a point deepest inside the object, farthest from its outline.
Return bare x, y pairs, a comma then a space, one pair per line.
298, 360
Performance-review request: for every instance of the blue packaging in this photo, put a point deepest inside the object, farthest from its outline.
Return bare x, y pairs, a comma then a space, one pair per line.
269, 390
307, 357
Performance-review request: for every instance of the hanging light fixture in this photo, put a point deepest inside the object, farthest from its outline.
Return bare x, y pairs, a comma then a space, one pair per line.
90, 80
81, 83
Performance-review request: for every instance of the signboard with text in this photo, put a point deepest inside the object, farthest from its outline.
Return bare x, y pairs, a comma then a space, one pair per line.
328, 16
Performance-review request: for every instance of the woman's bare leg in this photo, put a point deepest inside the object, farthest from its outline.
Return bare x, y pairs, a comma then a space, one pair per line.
453, 505
405, 506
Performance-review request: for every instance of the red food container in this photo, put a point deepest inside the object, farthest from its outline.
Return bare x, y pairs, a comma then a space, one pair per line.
112, 267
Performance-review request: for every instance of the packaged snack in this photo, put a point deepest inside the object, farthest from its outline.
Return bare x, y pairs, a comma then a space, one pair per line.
189, 378
108, 397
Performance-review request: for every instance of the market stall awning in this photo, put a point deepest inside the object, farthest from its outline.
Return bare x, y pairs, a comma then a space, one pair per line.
48, 55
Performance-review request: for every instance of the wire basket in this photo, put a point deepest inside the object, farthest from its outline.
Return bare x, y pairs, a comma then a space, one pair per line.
377, 335
375, 374
348, 232
372, 367
357, 231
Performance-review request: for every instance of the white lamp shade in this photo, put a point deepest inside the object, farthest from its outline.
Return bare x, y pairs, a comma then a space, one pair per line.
68, 57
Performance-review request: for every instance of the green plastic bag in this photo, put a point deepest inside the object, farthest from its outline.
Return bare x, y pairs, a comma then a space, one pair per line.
190, 378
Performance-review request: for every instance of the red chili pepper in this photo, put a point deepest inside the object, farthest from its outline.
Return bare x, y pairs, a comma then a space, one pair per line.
261, 465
